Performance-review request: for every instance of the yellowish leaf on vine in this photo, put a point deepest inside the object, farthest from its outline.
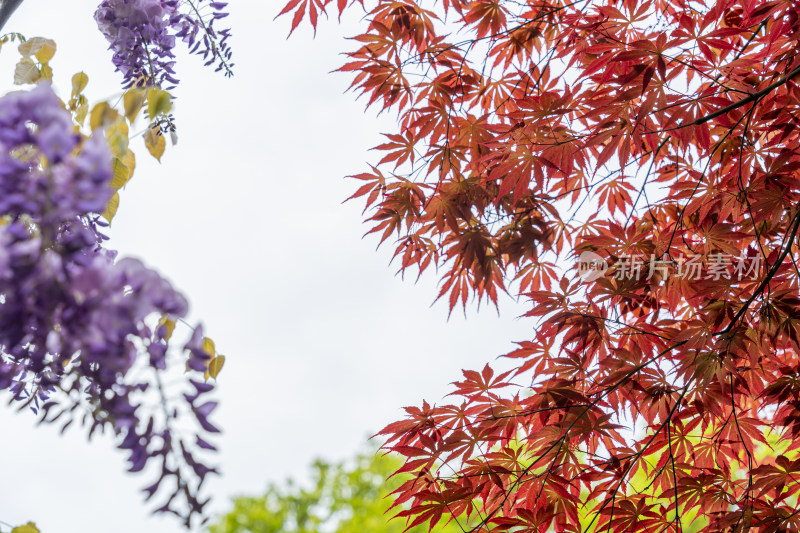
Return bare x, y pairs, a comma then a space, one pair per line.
133, 101
30, 527
47, 51
102, 116
29, 47
155, 142
215, 367
47, 72
79, 83
43, 49
158, 102
81, 112
129, 158
121, 174
119, 127
26, 72
117, 135
208, 347
111, 208
169, 326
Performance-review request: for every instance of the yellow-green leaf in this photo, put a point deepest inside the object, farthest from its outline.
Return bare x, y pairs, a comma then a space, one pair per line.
47, 51
79, 83
29, 47
47, 72
208, 347
119, 126
117, 135
102, 115
81, 112
155, 142
169, 326
30, 527
158, 102
215, 367
111, 208
43, 49
121, 174
26, 72
130, 161
133, 101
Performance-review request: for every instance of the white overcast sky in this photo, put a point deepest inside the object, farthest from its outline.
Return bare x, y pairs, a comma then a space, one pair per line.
325, 344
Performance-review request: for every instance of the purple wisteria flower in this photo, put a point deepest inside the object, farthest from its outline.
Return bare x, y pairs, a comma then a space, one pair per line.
75, 320
142, 35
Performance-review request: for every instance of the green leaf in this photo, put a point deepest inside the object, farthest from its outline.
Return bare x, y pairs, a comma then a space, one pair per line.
348, 497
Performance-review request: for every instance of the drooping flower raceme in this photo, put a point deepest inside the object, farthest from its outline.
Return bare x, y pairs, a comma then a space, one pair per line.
74, 319
142, 35
139, 33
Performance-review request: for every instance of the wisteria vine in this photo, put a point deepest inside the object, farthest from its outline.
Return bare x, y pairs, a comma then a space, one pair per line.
79, 330
142, 35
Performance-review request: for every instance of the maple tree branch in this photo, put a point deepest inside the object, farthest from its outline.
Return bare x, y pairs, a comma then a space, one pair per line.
506, 114
644, 184
679, 221
621, 324
677, 60
740, 185
632, 462
744, 101
761, 25
746, 449
770, 274
605, 392
678, 521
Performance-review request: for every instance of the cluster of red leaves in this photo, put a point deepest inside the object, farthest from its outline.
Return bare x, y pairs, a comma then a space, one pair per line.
657, 403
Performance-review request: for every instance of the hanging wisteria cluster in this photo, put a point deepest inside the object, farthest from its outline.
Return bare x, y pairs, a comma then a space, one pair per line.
76, 322
143, 33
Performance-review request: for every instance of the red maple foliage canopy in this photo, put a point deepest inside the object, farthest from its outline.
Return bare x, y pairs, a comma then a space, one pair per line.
633, 169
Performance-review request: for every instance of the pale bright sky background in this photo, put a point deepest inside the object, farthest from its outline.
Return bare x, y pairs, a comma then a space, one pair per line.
324, 343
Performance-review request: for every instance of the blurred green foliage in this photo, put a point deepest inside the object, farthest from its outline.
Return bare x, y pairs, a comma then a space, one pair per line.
345, 497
